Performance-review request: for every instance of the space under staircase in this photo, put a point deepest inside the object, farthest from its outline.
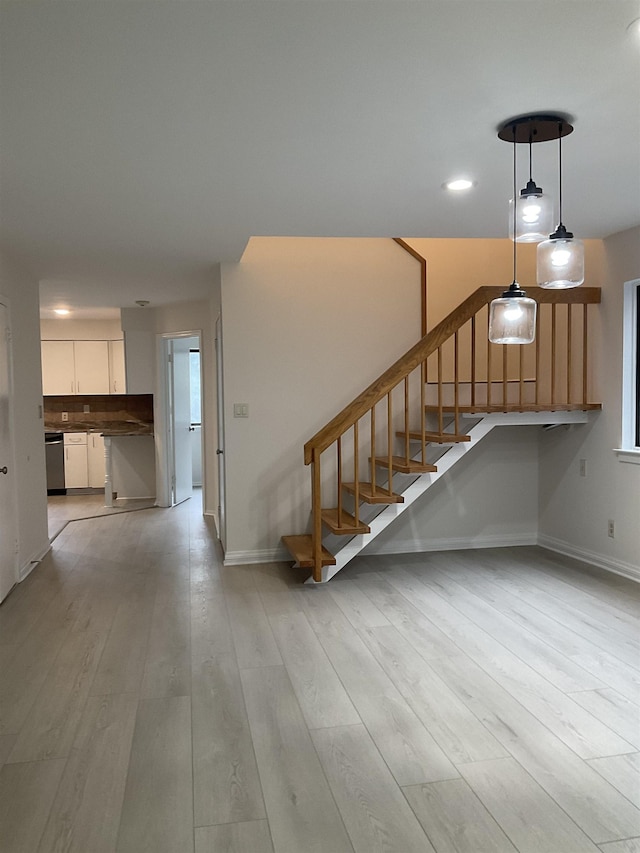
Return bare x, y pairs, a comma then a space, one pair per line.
413, 423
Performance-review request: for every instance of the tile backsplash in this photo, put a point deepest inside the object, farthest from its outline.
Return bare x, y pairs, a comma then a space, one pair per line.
103, 408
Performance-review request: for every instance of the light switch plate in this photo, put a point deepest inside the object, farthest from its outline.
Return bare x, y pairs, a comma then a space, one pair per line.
240, 410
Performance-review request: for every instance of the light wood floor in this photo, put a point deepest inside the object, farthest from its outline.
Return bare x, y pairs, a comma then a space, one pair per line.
62, 509
151, 700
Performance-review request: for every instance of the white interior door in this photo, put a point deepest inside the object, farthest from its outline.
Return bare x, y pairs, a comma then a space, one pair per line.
8, 533
222, 533
182, 481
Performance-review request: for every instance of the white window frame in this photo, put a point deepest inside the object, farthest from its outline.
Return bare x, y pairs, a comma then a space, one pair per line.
629, 451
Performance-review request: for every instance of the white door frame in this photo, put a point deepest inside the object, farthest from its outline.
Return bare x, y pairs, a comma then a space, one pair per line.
162, 417
221, 516
9, 456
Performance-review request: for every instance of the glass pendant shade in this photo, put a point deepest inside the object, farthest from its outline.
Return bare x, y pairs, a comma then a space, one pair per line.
560, 261
512, 318
533, 215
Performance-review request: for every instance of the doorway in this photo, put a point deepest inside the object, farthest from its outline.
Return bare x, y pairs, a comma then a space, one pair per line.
8, 532
181, 416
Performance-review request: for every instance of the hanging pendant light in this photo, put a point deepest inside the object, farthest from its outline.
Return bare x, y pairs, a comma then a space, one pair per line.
560, 259
512, 317
534, 210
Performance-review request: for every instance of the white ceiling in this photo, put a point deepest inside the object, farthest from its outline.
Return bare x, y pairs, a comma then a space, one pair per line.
144, 142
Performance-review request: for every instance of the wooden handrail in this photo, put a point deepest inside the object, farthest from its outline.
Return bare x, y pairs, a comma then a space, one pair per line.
427, 345
423, 279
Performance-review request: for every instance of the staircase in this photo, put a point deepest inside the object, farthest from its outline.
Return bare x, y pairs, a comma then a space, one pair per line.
439, 400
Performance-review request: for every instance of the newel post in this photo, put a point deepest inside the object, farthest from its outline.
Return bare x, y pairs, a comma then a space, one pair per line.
316, 509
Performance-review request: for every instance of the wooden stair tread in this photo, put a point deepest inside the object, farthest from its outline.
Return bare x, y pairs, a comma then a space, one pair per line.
344, 526
400, 464
482, 408
379, 496
436, 438
301, 549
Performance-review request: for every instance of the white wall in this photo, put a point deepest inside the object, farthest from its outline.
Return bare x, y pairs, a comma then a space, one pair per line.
30, 473
65, 329
308, 324
489, 498
133, 466
141, 326
574, 510
138, 327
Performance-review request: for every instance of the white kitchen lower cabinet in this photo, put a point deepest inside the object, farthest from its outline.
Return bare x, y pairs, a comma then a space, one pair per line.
95, 460
76, 472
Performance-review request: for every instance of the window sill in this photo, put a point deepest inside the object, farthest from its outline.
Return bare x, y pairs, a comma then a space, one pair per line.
630, 455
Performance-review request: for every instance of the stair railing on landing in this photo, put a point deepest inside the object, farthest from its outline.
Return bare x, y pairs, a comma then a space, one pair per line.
457, 372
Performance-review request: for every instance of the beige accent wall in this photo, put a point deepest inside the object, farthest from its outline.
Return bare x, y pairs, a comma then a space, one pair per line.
574, 510
308, 324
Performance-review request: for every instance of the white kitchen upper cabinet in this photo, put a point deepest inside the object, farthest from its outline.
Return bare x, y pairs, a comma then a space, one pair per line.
117, 375
95, 460
92, 367
75, 367
58, 368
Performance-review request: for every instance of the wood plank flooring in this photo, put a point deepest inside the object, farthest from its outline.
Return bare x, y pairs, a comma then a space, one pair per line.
459, 702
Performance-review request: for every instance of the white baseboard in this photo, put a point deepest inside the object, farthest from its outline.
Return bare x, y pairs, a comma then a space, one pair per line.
27, 567
609, 564
409, 546
266, 555
460, 543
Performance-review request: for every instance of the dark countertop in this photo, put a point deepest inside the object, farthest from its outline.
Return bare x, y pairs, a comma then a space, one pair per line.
107, 428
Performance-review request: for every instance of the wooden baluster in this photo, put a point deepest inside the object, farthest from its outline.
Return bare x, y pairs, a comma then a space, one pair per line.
537, 365
585, 336
504, 376
339, 464
569, 352
389, 442
440, 413
553, 353
316, 500
456, 387
473, 361
406, 419
489, 353
373, 448
356, 474
423, 413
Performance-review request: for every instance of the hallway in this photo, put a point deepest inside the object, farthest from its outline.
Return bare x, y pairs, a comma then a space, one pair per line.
152, 700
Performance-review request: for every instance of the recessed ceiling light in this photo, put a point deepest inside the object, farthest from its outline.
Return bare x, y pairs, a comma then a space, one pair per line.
458, 185
634, 27
62, 312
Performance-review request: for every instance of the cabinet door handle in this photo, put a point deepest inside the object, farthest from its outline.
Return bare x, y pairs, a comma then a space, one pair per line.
4, 470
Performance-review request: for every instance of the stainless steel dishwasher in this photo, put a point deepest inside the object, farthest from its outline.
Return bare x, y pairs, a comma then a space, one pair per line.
54, 450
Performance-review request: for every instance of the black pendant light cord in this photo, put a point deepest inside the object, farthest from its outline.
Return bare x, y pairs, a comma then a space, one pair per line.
560, 172
515, 242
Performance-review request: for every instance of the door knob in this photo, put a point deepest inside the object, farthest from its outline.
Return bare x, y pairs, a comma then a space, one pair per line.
3, 470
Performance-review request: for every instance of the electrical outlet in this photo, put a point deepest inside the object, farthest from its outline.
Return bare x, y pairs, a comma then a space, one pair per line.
65, 416
583, 467
611, 529
86, 408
